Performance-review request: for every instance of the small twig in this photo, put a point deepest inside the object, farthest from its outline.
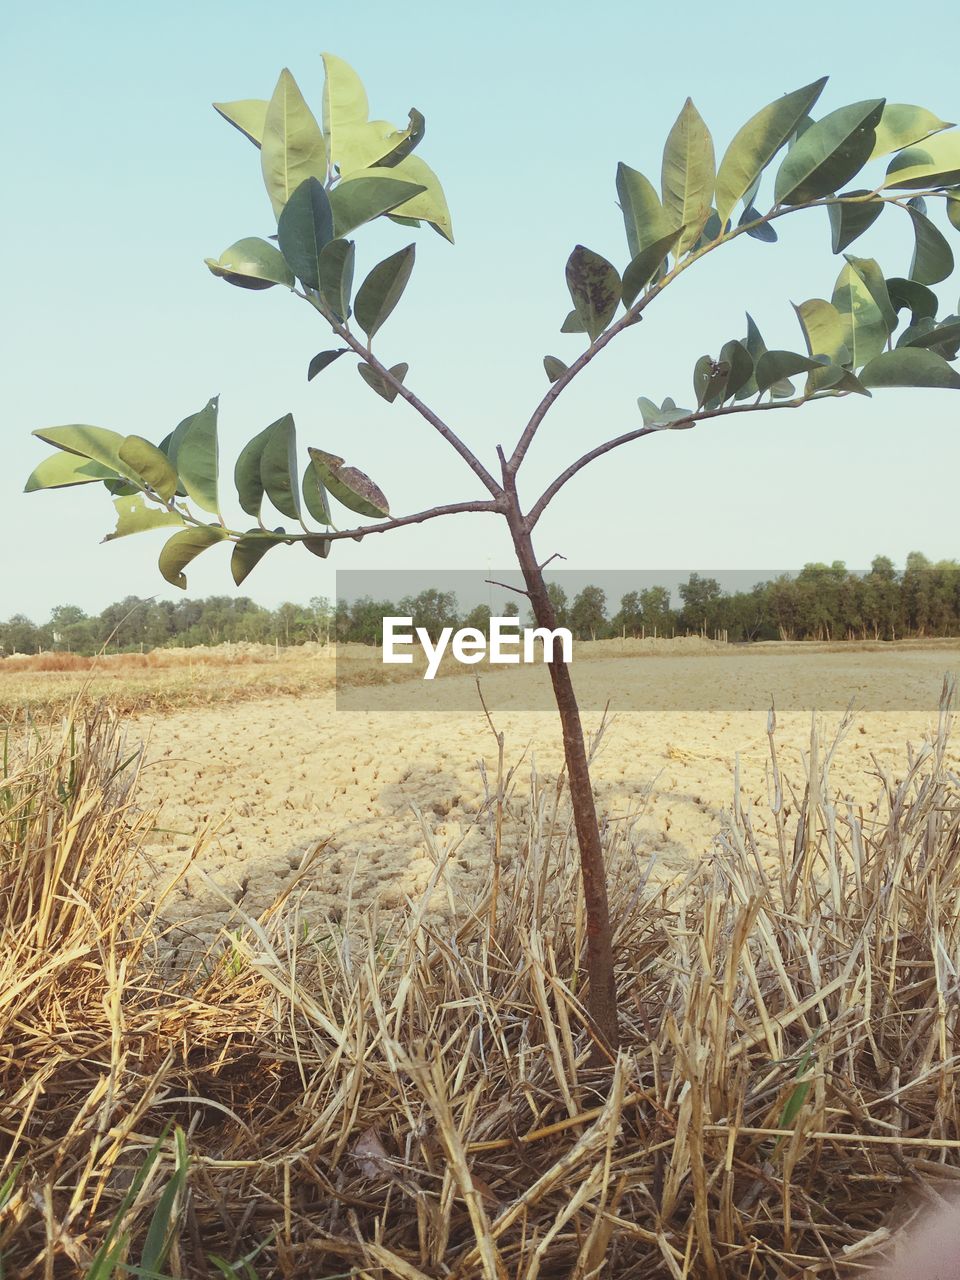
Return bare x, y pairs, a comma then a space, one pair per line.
507, 587
557, 555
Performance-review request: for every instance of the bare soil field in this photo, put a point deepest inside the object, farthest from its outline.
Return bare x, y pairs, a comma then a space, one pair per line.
385, 791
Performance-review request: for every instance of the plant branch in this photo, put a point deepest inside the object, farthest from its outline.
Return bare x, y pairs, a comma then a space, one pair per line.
635, 313
358, 534
452, 509
538, 508
451, 437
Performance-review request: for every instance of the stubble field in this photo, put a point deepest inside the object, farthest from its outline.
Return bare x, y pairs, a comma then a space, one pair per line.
359, 1003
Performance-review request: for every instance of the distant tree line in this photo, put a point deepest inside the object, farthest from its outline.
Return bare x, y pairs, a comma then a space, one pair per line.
132, 624
822, 602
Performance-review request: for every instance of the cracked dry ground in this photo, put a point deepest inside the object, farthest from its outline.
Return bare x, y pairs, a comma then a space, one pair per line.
271, 779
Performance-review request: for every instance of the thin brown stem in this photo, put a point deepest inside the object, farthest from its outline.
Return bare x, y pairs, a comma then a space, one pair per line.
551, 491
602, 994
424, 410
451, 509
362, 531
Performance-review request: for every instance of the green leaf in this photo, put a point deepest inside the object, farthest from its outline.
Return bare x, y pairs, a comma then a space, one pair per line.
430, 205
348, 485
249, 551
758, 141
914, 334
381, 385
382, 290
65, 469
572, 324
666, 416
645, 266
710, 382
305, 226
868, 269
120, 488
409, 139
755, 346
292, 148
553, 368
134, 516
687, 176
943, 338
252, 264
644, 219
336, 276
197, 456
918, 298
318, 546
735, 355
96, 443
151, 465
782, 389
246, 473
823, 330
901, 125
648, 410
278, 467
953, 211
829, 153
594, 288
169, 444
361, 145
910, 367
249, 117
834, 379
933, 163
315, 496
318, 364
344, 102
864, 330
773, 366
163, 1224
932, 255
713, 229
115, 1241
359, 199
762, 231
848, 221
185, 546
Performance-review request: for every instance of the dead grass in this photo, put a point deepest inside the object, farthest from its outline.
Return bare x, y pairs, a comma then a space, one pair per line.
160, 681
379, 1098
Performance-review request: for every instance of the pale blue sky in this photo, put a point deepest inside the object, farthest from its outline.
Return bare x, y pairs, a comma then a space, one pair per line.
121, 179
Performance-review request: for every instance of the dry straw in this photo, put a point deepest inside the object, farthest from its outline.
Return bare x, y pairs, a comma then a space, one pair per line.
398, 1098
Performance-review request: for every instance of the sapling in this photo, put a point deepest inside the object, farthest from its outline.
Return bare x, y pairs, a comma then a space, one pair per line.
327, 180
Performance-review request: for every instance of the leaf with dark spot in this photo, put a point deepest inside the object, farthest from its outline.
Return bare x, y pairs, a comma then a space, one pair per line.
348, 485
594, 286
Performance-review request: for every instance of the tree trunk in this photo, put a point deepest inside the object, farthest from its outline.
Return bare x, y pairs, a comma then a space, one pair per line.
602, 993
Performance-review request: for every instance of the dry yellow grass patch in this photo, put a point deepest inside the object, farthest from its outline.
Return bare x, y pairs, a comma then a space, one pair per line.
378, 1098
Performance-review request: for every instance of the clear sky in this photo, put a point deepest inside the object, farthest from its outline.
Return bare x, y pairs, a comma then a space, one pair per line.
120, 179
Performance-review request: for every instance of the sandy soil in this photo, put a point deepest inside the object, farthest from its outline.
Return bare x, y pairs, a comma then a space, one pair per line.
271, 779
